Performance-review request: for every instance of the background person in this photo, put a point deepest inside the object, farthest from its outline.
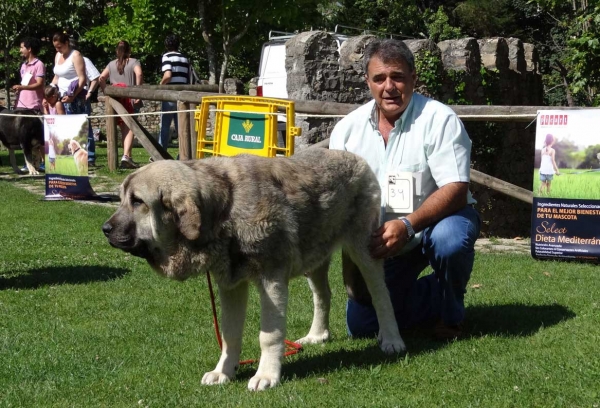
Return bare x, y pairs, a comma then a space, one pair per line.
92, 75
176, 70
68, 67
30, 92
51, 104
401, 131
124, 71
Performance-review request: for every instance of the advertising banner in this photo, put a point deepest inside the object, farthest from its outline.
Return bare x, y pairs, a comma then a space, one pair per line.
566, 185
66, 159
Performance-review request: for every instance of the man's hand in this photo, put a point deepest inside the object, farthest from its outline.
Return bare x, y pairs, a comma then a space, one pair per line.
17, 88
388, 240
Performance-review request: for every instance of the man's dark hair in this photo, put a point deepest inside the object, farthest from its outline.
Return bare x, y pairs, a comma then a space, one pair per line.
388, 51
172, 42
33, 44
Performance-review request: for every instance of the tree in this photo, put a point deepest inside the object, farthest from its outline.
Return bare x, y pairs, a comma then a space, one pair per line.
16, 16
225, 24
583, 58
401, 17
571, 49
488, 18
439, 27
40, 19
145, 24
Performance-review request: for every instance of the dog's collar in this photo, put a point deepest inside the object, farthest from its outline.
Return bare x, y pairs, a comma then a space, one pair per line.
78, 149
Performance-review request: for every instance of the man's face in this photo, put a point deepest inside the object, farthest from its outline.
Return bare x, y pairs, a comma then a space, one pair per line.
25, 52
391, 85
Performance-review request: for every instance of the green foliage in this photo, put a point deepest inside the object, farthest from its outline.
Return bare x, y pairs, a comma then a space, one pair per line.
439, 27
457, 78
584, 56
590, 158
488, 137
490, 80
143, 23
427, 66
388, 16
488, 18
567, 153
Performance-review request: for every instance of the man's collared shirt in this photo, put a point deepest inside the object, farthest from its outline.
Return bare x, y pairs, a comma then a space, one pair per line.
32, 99
428, 140
91, 72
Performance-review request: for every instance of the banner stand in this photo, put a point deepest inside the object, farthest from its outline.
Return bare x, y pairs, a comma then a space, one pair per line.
565, 219
66, 158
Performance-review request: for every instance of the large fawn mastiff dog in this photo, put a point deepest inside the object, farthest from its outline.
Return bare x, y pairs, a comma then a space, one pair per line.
261, 220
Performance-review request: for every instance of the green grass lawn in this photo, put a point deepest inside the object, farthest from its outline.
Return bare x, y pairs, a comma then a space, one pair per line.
85, 325
571, 183
64, 165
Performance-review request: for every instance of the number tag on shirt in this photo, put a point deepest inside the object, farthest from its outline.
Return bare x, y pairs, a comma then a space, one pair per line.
26, 78
400, 194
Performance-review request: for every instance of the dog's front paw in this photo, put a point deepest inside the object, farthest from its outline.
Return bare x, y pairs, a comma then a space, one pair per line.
262, 382
314, 338
392, 345
215, 377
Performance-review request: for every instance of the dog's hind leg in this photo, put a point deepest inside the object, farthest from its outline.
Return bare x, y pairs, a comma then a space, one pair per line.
318, 281
233, 314
372, 271
273, 305
13, 161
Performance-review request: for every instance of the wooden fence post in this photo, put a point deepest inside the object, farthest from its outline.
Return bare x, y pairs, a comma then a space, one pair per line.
194, 134
185, 139
112, 141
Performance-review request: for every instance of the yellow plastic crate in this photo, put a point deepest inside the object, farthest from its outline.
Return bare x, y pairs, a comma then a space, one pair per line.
244, 124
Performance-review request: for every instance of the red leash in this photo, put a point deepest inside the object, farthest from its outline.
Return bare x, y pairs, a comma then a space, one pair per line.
290, 346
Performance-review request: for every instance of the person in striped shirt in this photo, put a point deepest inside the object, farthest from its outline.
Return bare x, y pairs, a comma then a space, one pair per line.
176, 70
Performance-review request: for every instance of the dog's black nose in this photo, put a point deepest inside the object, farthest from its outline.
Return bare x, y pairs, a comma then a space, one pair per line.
106, 228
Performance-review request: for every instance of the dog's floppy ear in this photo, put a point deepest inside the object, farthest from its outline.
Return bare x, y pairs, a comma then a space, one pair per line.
187, 216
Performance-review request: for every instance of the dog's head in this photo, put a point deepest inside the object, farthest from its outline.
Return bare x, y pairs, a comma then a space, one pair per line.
159, 218
74, 146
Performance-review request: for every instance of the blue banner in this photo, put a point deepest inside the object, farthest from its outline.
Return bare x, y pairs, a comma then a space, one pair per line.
66, 158
566, 186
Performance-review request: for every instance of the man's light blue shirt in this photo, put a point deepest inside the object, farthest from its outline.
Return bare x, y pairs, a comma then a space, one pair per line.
428, 140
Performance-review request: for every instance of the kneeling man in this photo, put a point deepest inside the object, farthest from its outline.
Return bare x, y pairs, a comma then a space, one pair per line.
420, 152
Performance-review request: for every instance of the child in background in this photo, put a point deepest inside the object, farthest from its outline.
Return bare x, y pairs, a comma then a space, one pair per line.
548, 166
51, 104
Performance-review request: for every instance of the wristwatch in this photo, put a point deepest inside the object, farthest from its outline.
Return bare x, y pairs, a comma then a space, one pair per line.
409, 228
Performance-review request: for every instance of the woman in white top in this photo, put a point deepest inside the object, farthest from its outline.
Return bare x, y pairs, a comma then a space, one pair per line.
69, 66
548, 166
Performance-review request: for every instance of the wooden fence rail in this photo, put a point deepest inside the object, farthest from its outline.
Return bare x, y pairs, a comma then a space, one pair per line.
187, 98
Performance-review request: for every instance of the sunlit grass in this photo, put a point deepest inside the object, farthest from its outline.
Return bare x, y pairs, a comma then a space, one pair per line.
85, 325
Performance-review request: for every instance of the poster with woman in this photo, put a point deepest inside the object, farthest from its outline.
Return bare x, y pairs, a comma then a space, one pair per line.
566, 185
66, 157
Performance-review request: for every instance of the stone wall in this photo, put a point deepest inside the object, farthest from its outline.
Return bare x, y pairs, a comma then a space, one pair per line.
499, 71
